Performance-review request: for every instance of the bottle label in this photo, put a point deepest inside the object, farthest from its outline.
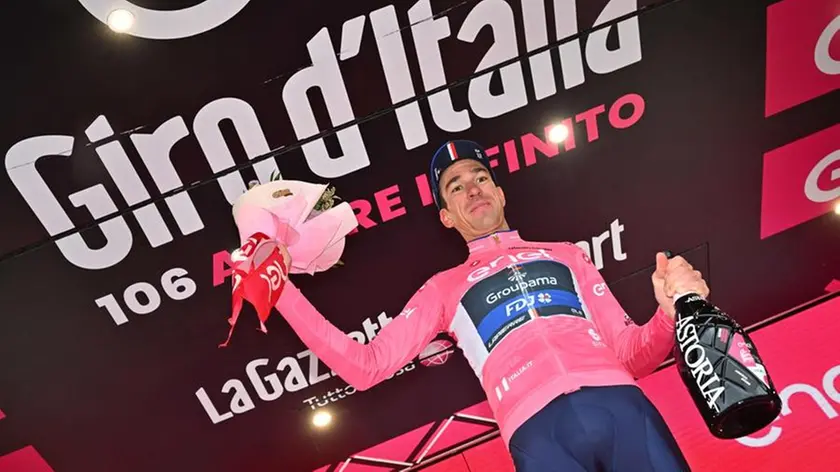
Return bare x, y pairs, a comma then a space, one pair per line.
693, 355
742, 351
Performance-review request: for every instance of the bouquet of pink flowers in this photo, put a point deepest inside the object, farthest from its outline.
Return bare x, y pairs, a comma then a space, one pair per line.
285, 226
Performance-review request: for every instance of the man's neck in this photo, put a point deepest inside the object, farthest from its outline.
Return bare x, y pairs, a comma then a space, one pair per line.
502, 227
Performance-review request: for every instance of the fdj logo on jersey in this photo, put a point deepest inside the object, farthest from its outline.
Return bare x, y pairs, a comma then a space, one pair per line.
519, 305
169, 24
526, 302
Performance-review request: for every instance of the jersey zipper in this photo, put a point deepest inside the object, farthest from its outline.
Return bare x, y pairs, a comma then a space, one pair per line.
517, 276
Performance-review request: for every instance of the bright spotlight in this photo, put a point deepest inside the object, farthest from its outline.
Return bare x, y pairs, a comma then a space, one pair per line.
120, 20
321, 419
837, 208
558, 133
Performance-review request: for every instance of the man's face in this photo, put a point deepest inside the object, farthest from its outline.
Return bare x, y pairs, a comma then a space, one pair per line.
473, 204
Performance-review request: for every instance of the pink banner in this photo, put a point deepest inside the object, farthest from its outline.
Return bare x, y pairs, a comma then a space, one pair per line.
803, 52
26, 459
801, 181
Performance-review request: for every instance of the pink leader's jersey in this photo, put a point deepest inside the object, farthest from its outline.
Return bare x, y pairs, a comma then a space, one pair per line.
535, 320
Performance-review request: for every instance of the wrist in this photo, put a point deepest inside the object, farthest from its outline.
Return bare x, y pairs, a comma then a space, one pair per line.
667, 310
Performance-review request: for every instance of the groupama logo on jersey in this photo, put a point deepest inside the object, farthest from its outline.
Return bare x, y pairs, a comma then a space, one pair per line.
169, 24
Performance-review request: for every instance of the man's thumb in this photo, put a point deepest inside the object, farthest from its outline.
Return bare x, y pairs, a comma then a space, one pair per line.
661, 264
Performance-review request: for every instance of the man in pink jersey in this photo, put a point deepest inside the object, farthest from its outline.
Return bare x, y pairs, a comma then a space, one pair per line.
554, 351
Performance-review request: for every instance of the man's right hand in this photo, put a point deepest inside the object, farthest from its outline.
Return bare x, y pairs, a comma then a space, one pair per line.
673, 276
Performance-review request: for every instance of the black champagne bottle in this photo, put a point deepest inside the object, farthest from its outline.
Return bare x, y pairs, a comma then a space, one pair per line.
722, 370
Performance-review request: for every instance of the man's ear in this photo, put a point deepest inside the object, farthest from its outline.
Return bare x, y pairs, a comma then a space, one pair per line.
502, 195
446, 218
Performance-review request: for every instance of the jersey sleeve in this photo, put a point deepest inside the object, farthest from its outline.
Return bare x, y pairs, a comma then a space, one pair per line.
365, 365
641, 349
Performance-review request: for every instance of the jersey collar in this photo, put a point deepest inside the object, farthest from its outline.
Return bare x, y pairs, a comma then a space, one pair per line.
495, 240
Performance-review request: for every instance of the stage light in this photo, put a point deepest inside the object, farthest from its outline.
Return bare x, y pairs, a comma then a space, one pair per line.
321, 419
120, 20
558, 133
837, 208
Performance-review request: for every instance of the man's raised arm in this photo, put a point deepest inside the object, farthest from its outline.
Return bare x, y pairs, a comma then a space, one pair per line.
641, 349
365, 365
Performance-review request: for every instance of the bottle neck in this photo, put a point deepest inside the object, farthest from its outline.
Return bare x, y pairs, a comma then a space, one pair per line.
686, 304
678, 296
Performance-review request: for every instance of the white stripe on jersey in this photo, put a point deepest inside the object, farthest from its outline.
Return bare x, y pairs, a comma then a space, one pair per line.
468, 340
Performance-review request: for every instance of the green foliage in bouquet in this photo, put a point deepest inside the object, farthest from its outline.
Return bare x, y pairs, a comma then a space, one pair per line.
327, 200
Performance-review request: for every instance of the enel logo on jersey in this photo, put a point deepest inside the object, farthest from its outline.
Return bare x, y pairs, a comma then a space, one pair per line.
517, 258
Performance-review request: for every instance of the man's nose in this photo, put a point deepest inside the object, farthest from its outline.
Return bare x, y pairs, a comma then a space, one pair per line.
473, 190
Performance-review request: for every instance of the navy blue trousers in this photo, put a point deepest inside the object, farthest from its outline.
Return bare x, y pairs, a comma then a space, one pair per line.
597, 429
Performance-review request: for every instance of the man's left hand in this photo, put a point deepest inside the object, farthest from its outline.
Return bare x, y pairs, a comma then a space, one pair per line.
673, 276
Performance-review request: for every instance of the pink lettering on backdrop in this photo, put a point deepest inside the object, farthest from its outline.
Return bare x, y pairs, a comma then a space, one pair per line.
531, 144
363, 209
803, 52
637, 109
221, 267
591, 118
388, 203
801, 181
512, 156
424, 190
492, 151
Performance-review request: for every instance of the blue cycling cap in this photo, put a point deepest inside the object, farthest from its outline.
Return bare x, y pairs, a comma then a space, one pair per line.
450, 152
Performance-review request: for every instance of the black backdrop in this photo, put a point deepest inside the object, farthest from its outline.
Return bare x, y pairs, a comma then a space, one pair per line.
92, 394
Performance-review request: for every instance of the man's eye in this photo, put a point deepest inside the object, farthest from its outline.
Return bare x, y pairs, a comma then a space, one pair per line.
456, 188
482, 178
